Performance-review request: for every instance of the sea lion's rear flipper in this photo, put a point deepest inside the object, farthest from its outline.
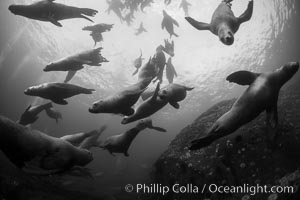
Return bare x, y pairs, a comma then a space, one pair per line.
60, 101
158, 129
198, 25
246, 16
175, 105
54, 21
242, 77
69, 76
272, 116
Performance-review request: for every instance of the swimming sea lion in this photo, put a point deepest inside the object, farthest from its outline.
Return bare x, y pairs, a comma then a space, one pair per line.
223, 22
261, 95
138, 63
31, 113
116, 6
119, 103
97, 30
147, 73
141, 29
174, 93
121, 143
170, 71
160, 62
47, 10
147, 108
24, 146
185, 7
75, 62
57, 92
169, 48
145, 3
168, 23
54, 114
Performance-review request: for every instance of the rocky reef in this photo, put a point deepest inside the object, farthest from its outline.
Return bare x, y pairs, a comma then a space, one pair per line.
246, 157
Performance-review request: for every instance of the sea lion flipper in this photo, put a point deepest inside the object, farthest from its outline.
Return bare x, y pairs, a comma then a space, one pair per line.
153, 98
28, 108
54, 21
175, 105
136, 71
198, 25
242, 77
175, 22
69, 76
126, 154
60, 101
246, 16
158, 129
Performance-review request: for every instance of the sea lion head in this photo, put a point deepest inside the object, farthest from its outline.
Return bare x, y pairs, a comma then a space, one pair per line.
287, 71
226, 35
100, 106
33, 90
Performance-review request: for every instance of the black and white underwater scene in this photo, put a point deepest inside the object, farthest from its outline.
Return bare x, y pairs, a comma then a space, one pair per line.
149, 100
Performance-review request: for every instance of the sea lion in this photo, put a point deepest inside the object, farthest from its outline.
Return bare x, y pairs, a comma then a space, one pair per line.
261, 95
129, 17
170, 71
57, 92
141, 29
169, 48
47, 10
31, 113
147, 108
147, 73
173, 93
121, 143
185, 7
54, 114
75, 62
97, 30
160, 62
223, 23
145, 3
116, 6
167, 2
138, 63
120, 102
24, 146
168, 23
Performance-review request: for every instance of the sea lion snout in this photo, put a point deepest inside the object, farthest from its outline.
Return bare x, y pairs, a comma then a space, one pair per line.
228, 39
47, 68
95, 108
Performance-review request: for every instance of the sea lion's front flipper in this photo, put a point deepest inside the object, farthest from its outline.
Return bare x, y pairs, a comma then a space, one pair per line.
126, 154
174, 104
198, 25
69, 76
272, 116
246, 16
153, 98
175, 22
158, 129
28, 108
60, 101
136, 71
242, 77
54, 21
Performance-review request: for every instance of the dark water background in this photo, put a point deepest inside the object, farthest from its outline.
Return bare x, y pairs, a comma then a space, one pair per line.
265, 43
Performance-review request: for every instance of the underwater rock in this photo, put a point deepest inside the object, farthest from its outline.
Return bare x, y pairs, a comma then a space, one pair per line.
251, 158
